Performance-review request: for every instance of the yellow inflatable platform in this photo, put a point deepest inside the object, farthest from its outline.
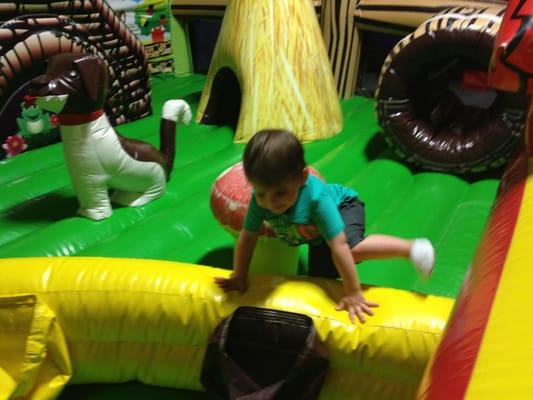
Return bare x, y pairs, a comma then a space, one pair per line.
83, 320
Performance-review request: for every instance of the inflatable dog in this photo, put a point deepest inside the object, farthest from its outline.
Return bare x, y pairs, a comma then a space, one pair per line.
75, 87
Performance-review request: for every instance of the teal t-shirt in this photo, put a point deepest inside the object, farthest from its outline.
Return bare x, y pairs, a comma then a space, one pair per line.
315, 215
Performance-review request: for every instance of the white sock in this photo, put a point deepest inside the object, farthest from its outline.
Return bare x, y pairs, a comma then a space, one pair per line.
423, 256
177, 110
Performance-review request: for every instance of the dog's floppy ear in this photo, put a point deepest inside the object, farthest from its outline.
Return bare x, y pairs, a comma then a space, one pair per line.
92, 75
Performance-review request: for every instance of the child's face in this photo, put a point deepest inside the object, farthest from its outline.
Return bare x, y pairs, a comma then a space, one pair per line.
280, 197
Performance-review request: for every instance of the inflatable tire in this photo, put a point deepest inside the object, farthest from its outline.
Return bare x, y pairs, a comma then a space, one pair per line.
420, 99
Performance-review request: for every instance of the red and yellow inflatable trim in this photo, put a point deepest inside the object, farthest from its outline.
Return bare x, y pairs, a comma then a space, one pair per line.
486, 350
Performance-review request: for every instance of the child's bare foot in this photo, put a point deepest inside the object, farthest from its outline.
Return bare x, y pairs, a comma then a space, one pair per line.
422, 255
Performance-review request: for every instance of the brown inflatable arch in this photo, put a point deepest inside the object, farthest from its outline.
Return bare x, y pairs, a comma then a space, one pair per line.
424, 109
34, 30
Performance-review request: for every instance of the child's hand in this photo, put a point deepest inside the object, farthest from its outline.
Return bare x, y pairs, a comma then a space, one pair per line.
237, 283
356, 304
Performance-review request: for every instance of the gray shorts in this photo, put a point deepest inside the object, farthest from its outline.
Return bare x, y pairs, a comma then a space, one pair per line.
320, 261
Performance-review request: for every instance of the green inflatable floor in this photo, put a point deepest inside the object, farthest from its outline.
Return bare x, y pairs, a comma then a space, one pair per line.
37, 207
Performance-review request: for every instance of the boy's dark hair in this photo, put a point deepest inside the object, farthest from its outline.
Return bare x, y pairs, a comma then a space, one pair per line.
272, 156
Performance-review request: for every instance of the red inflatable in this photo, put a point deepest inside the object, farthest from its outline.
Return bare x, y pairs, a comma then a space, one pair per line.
511, 67
230, 196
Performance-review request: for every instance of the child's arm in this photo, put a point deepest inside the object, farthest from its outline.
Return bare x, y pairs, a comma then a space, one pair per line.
243, 255
353, 300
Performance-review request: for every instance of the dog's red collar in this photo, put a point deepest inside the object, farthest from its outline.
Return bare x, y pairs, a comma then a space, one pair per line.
78, 119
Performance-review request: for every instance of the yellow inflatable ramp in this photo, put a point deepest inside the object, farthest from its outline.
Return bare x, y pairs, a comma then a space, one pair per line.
117, 320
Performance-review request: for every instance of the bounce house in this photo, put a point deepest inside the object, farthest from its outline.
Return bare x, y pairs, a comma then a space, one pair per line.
123, 191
